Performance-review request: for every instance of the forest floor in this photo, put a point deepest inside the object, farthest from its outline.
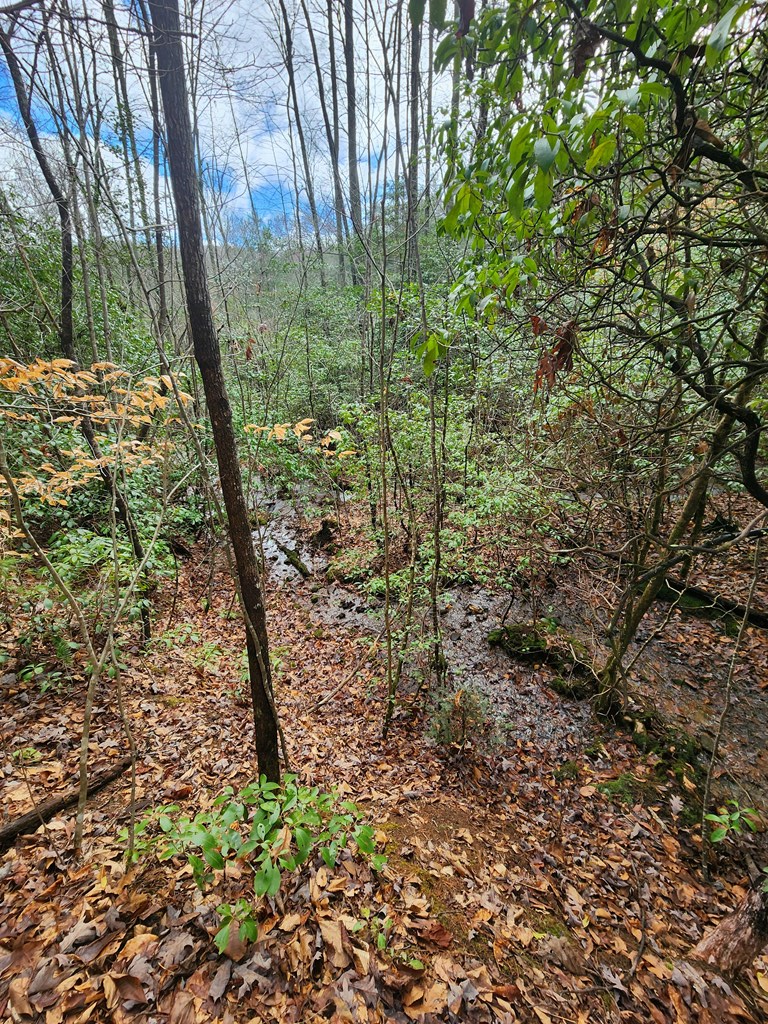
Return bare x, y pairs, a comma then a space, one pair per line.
554, 874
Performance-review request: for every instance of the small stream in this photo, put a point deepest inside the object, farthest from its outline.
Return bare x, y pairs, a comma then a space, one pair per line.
517, 695
684, 681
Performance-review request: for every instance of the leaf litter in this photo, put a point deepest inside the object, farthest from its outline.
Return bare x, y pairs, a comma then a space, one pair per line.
513, 891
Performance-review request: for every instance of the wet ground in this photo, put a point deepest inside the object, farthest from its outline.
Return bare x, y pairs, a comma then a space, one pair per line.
682, 662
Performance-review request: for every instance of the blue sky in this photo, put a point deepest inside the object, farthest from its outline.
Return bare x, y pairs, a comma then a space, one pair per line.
243, 121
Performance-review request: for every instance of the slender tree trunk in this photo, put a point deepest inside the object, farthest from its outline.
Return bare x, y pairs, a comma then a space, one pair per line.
355, 206
291, 72
331, 141
412, 221
429, 120
125, 115
181, 159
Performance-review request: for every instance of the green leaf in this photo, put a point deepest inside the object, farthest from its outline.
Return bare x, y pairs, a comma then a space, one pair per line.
303, 840
437, 12
602, 154
365, 841
718, 835
719, 38
542, 190
249, 930
416, 964
266, 882
544, 154
378, 860
214, 859
446, 51
328, 854
274, 879
221, 938
631, 96
635, 123
416, 11
653, 89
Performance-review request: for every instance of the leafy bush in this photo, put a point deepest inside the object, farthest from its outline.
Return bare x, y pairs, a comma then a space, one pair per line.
275, 828
730, 823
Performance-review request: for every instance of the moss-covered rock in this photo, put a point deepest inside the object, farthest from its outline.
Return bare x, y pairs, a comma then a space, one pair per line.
525, 642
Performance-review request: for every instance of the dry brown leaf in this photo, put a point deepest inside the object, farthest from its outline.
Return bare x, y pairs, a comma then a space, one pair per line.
183, 1008
331, 930
220, 981
290, 922
436, 933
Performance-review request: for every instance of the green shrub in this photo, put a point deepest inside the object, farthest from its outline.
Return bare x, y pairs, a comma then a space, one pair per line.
275, 828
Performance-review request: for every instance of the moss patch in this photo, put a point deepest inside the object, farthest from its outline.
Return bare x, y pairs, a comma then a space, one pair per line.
524, 642
574, 689
567, 770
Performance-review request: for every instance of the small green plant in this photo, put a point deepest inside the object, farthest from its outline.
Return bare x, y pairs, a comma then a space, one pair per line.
275, 828
461, 716
27, 755
732, 823
240, 914
45, 680
207, 655
176, 637
380, 928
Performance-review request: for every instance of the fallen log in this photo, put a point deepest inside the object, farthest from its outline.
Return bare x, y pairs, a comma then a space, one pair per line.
701, 601
741, 936
49, 808
294, 559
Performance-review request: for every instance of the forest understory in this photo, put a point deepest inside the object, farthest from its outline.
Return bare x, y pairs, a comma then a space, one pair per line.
540, 867
383, 512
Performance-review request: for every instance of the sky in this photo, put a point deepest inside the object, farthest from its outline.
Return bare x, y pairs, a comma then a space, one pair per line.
241, 102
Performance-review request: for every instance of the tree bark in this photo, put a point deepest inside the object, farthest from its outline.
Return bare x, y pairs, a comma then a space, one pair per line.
741, 936
355, 205
181, 159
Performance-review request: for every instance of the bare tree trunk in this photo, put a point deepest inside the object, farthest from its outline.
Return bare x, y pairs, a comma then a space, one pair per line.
125, 115
412, 181
429, 120
181, 159
291, 72
331, 140
355, 206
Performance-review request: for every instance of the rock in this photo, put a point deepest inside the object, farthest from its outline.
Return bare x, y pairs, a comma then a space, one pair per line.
327, 533
519, 641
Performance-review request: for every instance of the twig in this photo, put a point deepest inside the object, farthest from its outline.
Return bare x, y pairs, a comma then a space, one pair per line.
340, 686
